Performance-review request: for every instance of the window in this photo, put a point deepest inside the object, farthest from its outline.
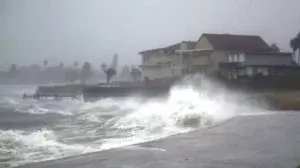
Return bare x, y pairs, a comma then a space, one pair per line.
230, 58
235, 58
242, 58
249, 71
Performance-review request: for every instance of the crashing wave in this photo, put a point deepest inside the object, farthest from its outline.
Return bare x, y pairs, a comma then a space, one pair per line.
111, 123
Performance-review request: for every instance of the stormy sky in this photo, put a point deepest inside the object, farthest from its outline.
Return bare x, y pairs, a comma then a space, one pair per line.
94, 30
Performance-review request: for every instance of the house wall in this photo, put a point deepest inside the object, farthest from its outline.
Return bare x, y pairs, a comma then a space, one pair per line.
203, 43
156, 58
267, 60
186, 59
177, 60
200, 60
296, 56
218, 57
156, 72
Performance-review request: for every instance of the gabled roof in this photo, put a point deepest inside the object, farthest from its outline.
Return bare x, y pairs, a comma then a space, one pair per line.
171, 49
237, 42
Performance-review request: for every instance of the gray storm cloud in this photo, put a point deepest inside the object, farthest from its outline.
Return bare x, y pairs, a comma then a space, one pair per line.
93, 30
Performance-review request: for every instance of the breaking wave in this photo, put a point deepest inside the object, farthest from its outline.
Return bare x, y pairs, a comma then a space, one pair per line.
111, 123
21, 147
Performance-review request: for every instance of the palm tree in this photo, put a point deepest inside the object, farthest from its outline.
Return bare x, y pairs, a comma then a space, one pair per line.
13, 68
125, 72
61, 65
109, 72
295, 42
86, 71
45, 63
76, 64
114, 62
135, 73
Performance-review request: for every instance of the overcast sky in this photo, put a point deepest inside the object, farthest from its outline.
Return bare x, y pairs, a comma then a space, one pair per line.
93, 30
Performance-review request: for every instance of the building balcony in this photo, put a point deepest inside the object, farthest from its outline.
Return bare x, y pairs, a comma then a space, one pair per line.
157, 65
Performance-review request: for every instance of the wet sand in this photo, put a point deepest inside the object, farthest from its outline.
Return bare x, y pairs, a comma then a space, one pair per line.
257, 140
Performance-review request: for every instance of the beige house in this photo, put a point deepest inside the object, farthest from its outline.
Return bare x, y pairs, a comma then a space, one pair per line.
222, 53
213, 49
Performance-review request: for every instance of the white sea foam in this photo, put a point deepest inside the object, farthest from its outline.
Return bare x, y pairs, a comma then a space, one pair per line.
36, 109
36, 146
63, 107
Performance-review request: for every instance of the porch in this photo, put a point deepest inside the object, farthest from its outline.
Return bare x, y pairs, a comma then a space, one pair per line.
192, 61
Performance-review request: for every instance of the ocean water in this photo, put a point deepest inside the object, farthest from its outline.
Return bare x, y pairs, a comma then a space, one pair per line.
35, 131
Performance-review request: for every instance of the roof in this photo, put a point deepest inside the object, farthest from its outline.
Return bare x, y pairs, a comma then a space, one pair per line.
172, 48
237, 42
221, 42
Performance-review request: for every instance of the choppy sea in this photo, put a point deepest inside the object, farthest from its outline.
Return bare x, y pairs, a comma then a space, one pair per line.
35, 131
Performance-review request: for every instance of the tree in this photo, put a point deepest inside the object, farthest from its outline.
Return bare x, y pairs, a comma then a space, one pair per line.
125, 72
71, 75
61, 65
109, 72
13, 68
295, 42
76, 64
135, 73
86, 72
275, 48
45, 63
114, 62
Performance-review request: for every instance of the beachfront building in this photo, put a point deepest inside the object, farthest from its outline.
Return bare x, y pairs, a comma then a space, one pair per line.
162, 62
233, 56
249, 64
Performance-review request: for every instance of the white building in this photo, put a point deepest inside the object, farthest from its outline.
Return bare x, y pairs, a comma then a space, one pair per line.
163, 62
